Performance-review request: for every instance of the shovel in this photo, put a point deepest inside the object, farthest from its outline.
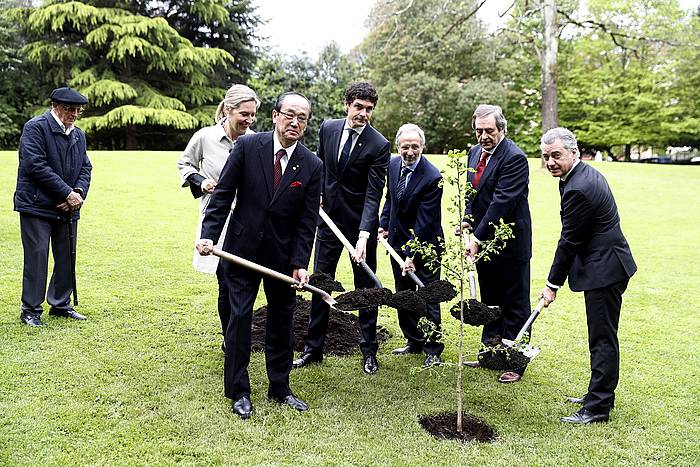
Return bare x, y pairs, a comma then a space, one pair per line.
349, 246
399, 260
274, 274
526, 349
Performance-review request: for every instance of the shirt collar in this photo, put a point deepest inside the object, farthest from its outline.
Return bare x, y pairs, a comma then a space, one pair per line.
413, 166
358, 130
566, 175
60, 123
277, 145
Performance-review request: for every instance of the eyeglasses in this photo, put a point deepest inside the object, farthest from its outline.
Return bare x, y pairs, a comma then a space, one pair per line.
73, 108
303, 119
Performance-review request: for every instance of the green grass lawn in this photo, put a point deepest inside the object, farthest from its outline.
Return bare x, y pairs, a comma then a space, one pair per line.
140, 382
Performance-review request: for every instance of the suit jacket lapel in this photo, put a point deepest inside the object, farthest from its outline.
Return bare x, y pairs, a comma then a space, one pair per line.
492, 162
294, 165
415, 178
359, 145
266, 158
473, 160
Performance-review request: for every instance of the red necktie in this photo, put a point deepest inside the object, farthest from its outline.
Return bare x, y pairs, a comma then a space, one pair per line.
277, 174
480, 169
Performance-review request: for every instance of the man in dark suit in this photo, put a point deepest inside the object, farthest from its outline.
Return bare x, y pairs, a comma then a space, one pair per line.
501, 181
53, 179
276, 182
593, 253
413, 210
355, 158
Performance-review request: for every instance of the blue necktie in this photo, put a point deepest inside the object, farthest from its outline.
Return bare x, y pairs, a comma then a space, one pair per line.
401, 187
345, 153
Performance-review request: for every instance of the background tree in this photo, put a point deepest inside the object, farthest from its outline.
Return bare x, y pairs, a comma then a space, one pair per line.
142, 78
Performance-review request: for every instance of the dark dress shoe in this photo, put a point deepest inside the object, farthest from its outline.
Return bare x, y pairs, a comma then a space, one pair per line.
576, 400
67, 314
243, 407
31, 320
509, 377
292, 401
370, 365
585, 416
408, 349
307, 359
473, 364
432, 360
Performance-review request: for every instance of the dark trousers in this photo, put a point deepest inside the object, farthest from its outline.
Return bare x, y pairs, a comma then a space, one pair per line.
506, 284
603, 315
223, 302
243, 287
327, 254
37, 233
408, 319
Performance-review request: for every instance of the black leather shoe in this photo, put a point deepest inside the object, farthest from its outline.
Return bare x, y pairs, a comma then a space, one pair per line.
306, 359
243, 407
31, 320
576, 400
67, 314
370, 365
585, 416
292, 401
432, 360
473, 364
408, 349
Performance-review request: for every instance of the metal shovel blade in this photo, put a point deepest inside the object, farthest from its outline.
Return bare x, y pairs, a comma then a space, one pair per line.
530, 351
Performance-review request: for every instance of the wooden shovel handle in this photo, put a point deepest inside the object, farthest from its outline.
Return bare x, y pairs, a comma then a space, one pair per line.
394, 254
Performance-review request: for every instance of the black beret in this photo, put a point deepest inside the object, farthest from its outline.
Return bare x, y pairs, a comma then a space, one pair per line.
68, 96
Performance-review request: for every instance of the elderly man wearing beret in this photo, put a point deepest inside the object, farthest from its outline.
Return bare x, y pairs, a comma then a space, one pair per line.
52, 182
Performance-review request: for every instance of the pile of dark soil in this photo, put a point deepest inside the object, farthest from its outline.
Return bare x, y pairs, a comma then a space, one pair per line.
444, 426
438, 291
408, 300
343, 336
363, 298
325, 282
497, 356
476, 313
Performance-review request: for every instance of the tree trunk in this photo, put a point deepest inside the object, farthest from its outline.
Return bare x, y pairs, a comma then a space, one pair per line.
132, 141
548, 63
628, 153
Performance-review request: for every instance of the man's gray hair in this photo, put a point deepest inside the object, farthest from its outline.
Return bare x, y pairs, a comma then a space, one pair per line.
405, 128
235, 96
562, 134
484, 110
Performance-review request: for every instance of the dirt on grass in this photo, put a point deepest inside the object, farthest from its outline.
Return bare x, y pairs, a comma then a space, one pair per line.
408, 300
343, 336
476, 313
497, 356
444, 426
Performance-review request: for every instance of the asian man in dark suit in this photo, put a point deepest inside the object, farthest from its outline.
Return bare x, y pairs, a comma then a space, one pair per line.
276, 182
501, 181
412, 210
594, 255
355, 158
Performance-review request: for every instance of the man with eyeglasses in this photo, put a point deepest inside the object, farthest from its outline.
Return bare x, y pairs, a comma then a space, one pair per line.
500, 177
276, 182
53, 179
355, 158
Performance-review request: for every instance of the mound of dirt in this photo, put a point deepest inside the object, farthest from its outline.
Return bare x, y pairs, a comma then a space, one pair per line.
343, 336
363, 298
325, 282
476, 313
497, 356
438, 291
444, 426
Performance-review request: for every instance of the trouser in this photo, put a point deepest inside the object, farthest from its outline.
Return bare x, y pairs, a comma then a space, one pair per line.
408, 319
37, 233
327, 254
243, 286
506, 284
223, 303
603, 315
